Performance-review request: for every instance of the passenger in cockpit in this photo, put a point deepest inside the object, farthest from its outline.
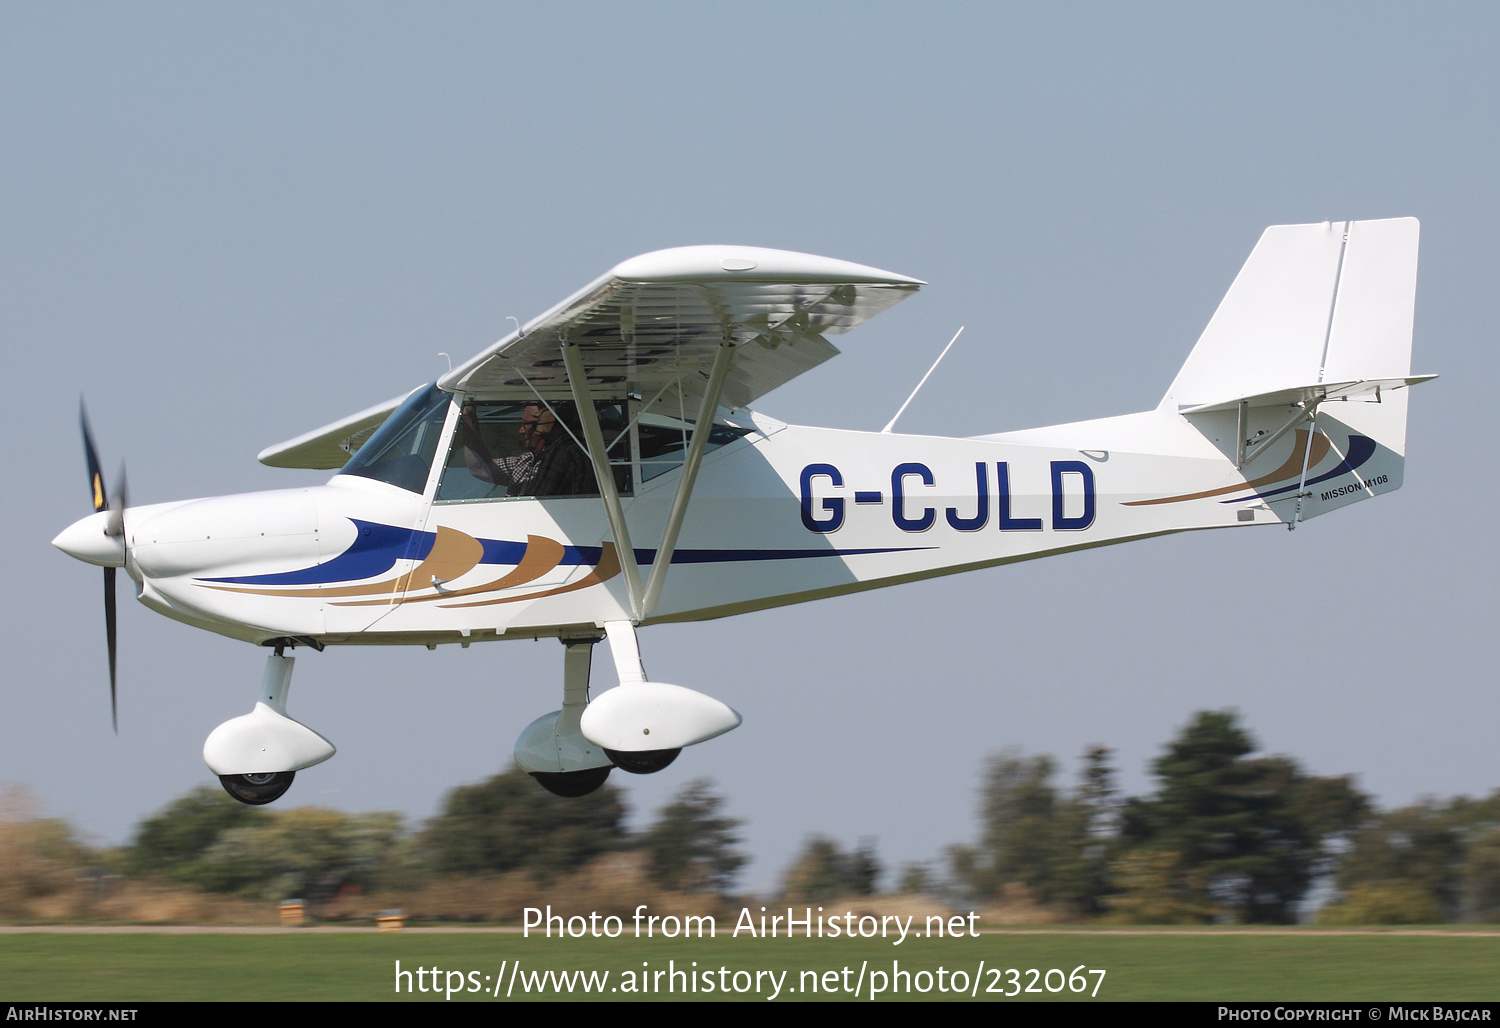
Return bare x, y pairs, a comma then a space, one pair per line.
550, 462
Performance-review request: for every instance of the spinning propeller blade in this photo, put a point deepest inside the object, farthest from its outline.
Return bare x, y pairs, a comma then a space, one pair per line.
115, 528
109, 634
96, 477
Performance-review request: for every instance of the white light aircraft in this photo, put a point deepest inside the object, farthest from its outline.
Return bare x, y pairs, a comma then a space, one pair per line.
600, 470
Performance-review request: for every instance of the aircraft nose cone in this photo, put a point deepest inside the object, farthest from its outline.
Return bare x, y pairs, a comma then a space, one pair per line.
85, 540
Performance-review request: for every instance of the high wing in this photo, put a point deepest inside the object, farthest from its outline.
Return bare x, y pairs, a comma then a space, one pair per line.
656, 323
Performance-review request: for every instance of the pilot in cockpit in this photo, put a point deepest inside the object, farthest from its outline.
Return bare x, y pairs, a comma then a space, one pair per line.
550, 462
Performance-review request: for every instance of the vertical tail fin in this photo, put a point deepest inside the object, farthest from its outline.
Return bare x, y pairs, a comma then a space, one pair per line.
1318, 320
1314, 304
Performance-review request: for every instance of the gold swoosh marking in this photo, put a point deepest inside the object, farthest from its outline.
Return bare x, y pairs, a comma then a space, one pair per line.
607, 568
453, 553
541, 556
1293, 466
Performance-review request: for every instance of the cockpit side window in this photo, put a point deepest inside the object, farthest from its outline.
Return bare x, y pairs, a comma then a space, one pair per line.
527, 448
664, 442
402, 448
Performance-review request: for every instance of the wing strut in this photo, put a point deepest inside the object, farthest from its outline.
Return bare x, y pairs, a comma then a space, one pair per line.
701, 431
643, 601
578, 380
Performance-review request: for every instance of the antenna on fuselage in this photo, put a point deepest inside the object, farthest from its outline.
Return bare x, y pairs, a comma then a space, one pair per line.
892, 424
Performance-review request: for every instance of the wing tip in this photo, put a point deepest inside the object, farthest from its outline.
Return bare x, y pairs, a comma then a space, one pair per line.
724, 262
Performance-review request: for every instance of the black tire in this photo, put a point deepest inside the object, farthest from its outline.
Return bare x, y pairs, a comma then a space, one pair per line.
572, 783
642, 762
258, 789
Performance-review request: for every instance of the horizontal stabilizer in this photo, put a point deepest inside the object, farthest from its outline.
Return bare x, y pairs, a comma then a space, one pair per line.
1315, 393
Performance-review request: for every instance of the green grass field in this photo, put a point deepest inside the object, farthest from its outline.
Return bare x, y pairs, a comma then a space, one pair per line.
311, 965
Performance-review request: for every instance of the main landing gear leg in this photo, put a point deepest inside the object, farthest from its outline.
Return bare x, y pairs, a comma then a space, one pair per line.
626, 649
644, 725
551, 748
257, 756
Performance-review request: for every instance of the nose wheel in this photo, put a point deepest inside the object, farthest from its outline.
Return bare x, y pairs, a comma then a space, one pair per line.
258, 789
257, 756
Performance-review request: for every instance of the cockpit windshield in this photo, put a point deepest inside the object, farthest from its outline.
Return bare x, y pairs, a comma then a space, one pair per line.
402, 448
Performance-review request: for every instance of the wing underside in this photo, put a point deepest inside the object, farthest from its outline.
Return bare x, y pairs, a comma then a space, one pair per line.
658, 321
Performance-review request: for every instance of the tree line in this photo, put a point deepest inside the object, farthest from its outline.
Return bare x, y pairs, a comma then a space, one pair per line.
503, 825
1225, 835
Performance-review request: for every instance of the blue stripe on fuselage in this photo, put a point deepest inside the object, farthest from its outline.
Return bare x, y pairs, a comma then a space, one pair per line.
377, 548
